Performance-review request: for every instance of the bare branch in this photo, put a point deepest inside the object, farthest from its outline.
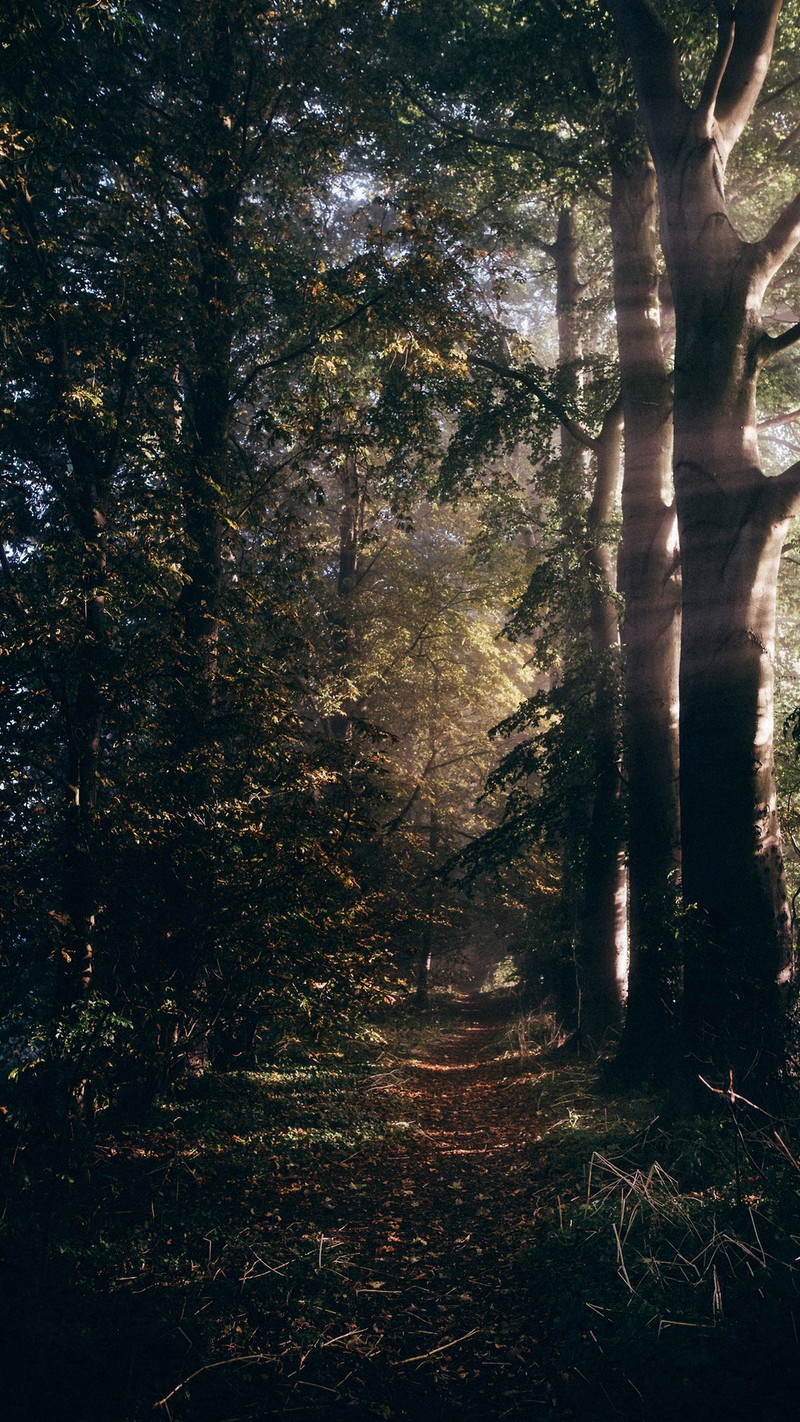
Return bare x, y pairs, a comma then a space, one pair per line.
8, 577
746, 70
599, 189
547, 247
778, 244
773, 421
383, 831
365, 572
788, 142
770, 346
515, 144
514, 140
547, 402
766, 99
305, 347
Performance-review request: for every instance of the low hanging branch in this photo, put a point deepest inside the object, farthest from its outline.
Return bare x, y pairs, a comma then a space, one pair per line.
547, 401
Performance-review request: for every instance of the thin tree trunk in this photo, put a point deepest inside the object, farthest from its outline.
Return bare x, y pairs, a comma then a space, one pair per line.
603, 948
85, 714
649, 581
570, 1003
208, 379
343, 617
593, 894
426, 939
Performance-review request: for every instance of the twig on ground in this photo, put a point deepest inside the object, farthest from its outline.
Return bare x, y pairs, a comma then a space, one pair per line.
420, 1357
207, 1367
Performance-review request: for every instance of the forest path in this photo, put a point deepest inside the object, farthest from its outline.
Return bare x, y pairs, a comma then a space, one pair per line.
433, 1214
373, 1237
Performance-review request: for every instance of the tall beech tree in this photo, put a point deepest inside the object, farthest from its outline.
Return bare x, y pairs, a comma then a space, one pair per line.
732, 522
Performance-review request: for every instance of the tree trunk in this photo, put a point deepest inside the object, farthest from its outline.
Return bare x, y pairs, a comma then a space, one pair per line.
732, 523
650, 585
346, 584
564, 251
594, 892
426, 940
206, 458
732, 527
603, 948
84, 712
738, 957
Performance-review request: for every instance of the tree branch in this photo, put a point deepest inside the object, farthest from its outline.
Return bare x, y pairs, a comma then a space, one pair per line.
770, 346
599, 190
787, 142
746, 70
779, 242
774, 421
655, 70
547, 402
787, 492
766, 99
606, 484
384, 831
521, 144
296, 352
548, 248
726, 34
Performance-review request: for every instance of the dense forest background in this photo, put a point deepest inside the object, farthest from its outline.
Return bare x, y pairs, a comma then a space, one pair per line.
397, 578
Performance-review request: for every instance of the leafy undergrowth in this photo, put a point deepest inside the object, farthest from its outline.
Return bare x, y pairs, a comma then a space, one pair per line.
454, 1222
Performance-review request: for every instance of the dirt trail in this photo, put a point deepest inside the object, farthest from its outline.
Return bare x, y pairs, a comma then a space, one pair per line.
447, 1199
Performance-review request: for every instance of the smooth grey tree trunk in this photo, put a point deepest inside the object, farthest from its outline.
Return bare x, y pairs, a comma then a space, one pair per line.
732, 522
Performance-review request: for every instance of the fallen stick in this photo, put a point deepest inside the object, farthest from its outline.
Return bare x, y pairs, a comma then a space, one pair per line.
420, 1357
223, 1363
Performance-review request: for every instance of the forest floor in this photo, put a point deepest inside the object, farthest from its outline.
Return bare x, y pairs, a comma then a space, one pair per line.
456, 1223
